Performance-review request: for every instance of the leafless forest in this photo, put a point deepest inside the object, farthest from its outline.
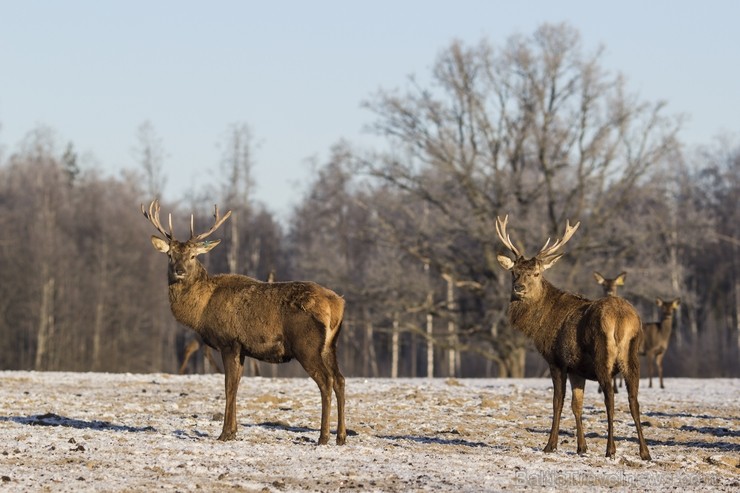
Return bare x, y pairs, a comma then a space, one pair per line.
535, 128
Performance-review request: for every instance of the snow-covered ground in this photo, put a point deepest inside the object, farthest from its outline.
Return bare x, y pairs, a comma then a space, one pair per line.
123, 432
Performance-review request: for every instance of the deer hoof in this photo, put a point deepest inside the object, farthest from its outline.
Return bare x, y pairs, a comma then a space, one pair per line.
323, 440
645, 455
550, 448
341, 440
226, 436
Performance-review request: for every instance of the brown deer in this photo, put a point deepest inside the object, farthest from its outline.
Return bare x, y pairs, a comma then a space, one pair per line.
610, 289
241, 316
657, 337
580, 339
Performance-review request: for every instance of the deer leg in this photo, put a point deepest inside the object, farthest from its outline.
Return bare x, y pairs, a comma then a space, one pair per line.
632, 382
210, 358
255, 368
320, 374
233, 366
331, 361
577, 383
604, 378
650, 357
325, 383
614, 381
558, 396
659, 364
191, 348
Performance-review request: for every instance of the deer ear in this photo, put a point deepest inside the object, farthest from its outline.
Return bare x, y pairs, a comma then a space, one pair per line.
620, 279
160, 244
599, 278
550, 261
658, 301
206, 246
505, 261
676, 303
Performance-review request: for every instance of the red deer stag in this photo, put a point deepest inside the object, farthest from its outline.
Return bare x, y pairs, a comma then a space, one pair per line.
241, 316
580, 339
657, 336
610, 289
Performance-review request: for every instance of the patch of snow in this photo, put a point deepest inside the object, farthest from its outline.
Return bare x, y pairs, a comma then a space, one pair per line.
125, 432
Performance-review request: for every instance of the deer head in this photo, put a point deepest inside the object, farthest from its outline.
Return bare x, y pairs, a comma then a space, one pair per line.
182, 255
667, 307
610, 285
526, 273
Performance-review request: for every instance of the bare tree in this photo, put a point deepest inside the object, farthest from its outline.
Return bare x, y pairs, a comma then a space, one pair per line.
536, 126
149, 154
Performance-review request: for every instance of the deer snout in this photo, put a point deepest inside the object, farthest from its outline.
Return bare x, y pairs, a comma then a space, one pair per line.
177, 271
519, 288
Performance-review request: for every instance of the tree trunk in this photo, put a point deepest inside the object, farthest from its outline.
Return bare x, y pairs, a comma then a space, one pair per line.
100, 308
370, 362
394, 347
453, 359
45, 330
430, 345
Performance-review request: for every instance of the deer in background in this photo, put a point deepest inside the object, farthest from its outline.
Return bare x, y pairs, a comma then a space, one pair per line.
657, 337
191, 348
610, 289
580, 339
240, 316
610, 285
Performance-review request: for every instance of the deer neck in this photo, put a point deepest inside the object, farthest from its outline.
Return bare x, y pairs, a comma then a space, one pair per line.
666, 323
189, 297
534, 317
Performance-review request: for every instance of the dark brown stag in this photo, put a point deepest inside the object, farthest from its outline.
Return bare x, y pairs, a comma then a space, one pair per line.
580, 339
657, 337
240, 316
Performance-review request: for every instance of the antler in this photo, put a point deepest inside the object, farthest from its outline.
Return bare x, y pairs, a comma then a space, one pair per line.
217, 223
153, 216
552, 249
504, 236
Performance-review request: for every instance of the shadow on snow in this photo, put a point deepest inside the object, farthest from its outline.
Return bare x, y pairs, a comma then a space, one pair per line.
51, 419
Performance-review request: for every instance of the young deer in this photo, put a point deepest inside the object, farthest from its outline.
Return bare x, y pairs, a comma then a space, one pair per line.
610, 289
241, 316
610, 285
657, 337
580, 339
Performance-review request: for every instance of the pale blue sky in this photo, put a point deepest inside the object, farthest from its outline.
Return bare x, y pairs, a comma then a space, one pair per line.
298, 71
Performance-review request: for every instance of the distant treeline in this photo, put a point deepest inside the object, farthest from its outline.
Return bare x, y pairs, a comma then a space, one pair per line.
535, 128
